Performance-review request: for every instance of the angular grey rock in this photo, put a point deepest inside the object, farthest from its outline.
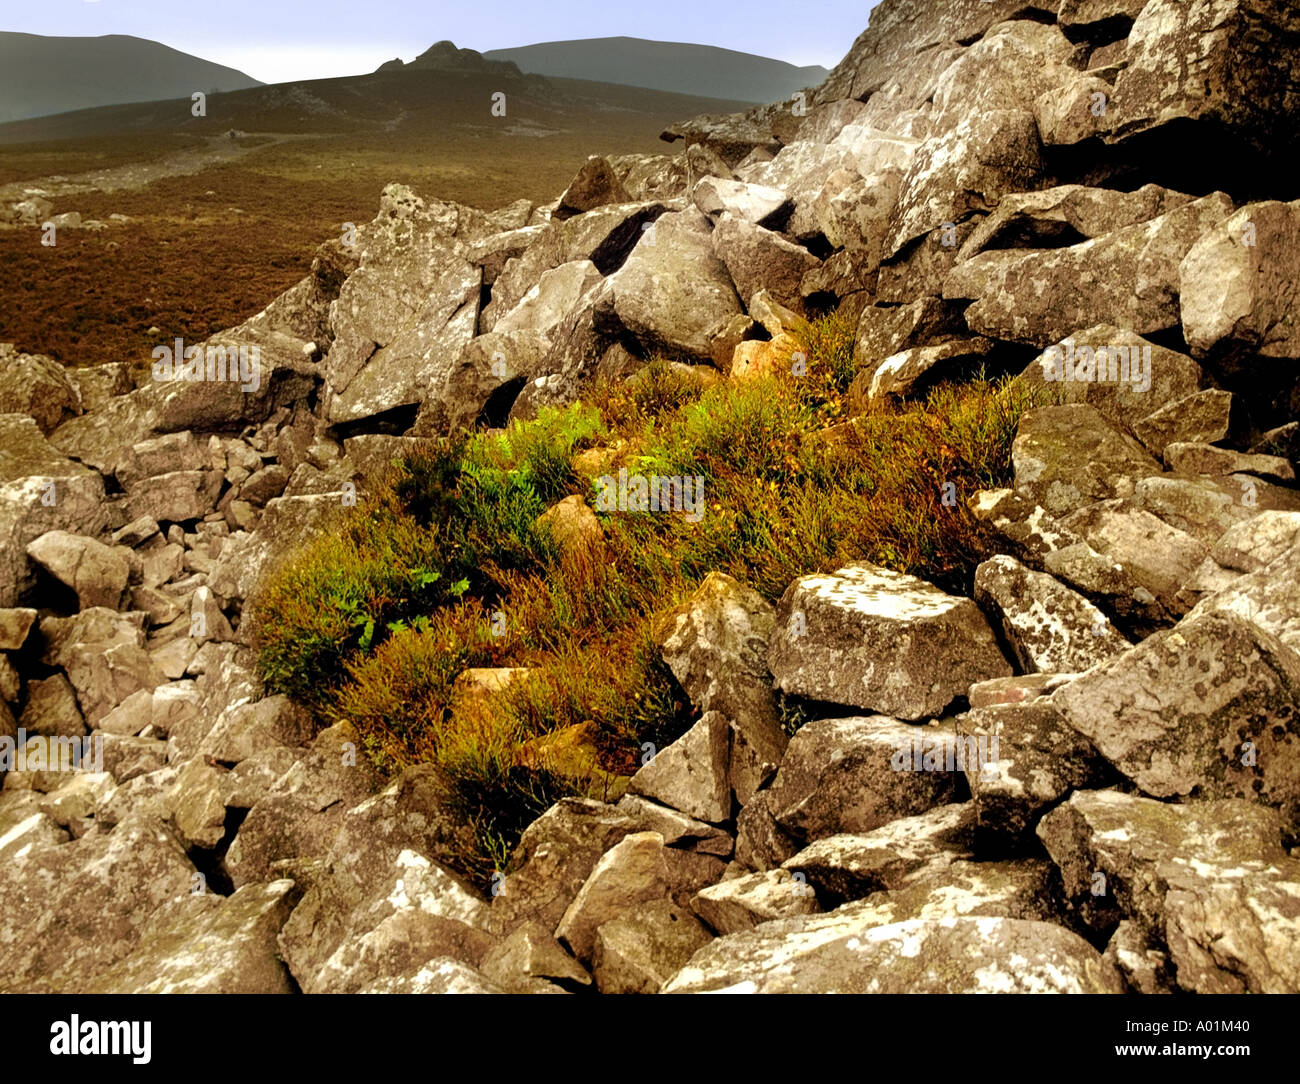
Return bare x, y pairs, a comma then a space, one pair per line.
844, 954
594, 185
839, 775
691, 774
851, 866
37, 386
637, 952
1037, 758
752, 202
674, 293
91, 898
96, 572
637, 870
1209, 883
208, 944
761, 259
1133, 272
1209, 708
881, 641
744, 902
715, 644
1069, 456
1049, 627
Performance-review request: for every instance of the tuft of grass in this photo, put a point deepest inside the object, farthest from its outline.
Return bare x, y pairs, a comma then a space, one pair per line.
446, 568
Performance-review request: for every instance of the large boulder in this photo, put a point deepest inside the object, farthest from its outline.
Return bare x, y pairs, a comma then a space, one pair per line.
854, 775
715, 644
75, 910
1210, 882
1049, 627
1033, 296
1236, 290
1210, 708
37, 386
674, 293
882, 641
40, 490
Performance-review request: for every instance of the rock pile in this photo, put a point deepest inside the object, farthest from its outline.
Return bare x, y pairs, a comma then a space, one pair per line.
1083, 777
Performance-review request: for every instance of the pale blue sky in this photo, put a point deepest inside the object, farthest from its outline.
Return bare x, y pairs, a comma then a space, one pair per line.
280, 40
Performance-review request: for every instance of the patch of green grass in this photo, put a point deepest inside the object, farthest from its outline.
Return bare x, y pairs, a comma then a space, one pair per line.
447, 568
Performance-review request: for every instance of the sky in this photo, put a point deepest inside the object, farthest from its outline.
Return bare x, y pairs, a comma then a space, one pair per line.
281, 40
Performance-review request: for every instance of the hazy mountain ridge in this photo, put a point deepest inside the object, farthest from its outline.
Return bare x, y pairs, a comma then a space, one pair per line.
666, 65
41, 75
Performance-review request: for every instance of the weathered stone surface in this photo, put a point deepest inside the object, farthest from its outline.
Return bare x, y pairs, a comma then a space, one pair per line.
1069, 456
752, 202
1210, 708
419, 912
37, 386
1157, 558
594, 185
1256, 542
553, 298
1194, 458
903, 374
850, 866
1125, 377
673, 292
246, 729
77, 909
761, 259
885, 331
1268, 597
636, 953
761, 843
838, 775
1039, 219
96, 572
1210, 882
285, 524
1203, 416
40, 490
637, 870
715, 645
555, 855
965, 170
744, 902
103, 654
691, 774
1035, 758
530, 958
51, 709
1034, 296
206, 944
1236, 291
881, 641
1049, 627
15, 624
951, 955
1227, 64
303, 811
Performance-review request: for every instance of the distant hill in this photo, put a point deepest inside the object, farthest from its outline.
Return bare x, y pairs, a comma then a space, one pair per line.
666, 65
40, 75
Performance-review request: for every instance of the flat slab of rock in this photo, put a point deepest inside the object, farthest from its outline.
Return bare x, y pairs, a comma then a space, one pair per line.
882, 641
848, 955
852, 866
